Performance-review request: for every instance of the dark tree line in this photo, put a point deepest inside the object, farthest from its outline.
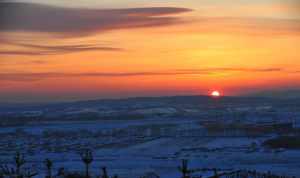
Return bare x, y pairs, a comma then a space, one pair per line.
17, 170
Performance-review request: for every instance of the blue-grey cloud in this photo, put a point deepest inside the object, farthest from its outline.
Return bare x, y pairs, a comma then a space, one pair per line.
73, 22
76, 21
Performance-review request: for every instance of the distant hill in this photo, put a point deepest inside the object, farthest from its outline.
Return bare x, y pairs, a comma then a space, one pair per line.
141, 107
279, 94
139, 102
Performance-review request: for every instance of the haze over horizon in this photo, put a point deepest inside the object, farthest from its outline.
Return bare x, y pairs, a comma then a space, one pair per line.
56, 50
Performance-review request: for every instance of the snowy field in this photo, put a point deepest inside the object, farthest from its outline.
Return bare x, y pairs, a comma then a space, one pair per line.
131, 148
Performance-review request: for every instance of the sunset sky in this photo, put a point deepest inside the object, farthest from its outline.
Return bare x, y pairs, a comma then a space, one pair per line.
55, 50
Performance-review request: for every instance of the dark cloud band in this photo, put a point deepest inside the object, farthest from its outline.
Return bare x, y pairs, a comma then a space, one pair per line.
41, 76
36, 50
74, 21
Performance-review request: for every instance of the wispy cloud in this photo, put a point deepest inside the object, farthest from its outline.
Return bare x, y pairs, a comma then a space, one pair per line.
75, 21
46, 75
233, 70
34, 50
40, 76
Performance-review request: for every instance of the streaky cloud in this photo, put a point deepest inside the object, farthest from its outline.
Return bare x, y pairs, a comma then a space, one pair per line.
32, 17
36, 50
234, 70
72, 22
40, 76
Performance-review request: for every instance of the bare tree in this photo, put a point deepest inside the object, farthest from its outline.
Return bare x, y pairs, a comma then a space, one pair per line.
19, 162
49, 165
104, 173
216, 175
184, 169
87, 159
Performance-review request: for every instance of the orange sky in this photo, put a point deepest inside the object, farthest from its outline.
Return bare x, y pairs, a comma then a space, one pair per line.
183, 48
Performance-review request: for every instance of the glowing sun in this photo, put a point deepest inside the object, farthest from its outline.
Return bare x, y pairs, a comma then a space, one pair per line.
215, 93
